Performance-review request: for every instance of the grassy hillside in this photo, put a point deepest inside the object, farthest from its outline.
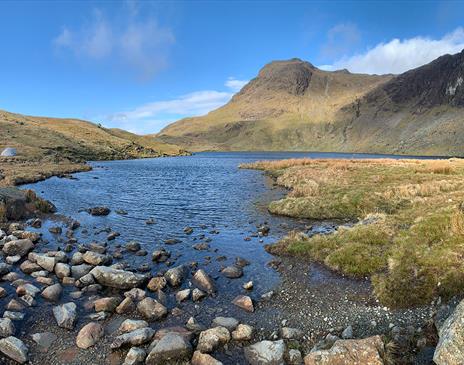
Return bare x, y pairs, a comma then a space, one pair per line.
50, 146
292, 105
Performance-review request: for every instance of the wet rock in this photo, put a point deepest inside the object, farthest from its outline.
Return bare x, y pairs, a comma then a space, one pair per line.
204, 282
65, 315
18, 247
243, 332
266, 353
135, 356
99, 211
198, 295
89, 335
182, 295
53, 292
176, 275
241, 262
171, 348
160, 255
108, 304
248, 285
134, 338
2, 292
203, 246
36, 223
14, 316
346, 352
228, 322
244, 302
188, 230
133, 246
55, 230
130, 325
151, 309
112, 236
288, 333
204, 359
232, 272
5, 268
78, 271
14, 348
172, 241
212, 339
27, 289
95, 258
126, 306
450, 348
157, 283
44, 340
6, 327
115, 278
62, 270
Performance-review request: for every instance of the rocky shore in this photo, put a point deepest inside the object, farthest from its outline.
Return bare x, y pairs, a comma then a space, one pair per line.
71, 300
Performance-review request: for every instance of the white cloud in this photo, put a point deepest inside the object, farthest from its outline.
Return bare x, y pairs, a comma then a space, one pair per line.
234, 84
151, 117
141, 45
397, 56
340, 39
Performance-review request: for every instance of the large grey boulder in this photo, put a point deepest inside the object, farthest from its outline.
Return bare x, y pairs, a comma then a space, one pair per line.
450, 348
266, 353
172, 347
14, 348
115, 278
9, 152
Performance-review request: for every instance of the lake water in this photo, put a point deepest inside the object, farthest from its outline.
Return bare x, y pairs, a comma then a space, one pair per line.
206, 191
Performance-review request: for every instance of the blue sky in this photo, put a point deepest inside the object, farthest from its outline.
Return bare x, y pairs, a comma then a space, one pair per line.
140, 65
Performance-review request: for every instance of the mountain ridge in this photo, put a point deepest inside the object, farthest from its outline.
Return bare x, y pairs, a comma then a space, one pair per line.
292, 105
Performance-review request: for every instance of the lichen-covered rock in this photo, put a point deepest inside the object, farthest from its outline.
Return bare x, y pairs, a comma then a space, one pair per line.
450, 348
348, 352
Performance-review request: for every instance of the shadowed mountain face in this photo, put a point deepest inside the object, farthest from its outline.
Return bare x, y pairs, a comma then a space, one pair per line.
292, 105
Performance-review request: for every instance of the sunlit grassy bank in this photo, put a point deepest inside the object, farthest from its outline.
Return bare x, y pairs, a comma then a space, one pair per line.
410, 233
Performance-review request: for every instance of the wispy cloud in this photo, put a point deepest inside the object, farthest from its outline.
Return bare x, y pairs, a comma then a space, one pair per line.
340, 39
234, 84
397, 56
151, 117
142, 45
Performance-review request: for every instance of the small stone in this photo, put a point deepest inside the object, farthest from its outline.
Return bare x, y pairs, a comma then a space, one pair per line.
44, 340
65, 315
212, 338
243, 332
151, 309
347, 333
176, 275
89, 335
244, 302
248, 285
171, 348
288, 333
53, 292
6, 327
134, 338
228, 322
295, 357
135, 356
204, 359
157, 283
232, 272
130, 325
266, 352
197, 295
203, 281
182, 295
126, 306
108, 304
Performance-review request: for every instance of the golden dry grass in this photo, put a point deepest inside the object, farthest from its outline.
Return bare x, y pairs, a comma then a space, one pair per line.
410, 235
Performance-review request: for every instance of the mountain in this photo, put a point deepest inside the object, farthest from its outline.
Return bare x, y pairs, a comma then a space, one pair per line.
292, 105
53, 139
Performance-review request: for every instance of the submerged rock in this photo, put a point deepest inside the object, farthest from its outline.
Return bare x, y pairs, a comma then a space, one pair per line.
232, 272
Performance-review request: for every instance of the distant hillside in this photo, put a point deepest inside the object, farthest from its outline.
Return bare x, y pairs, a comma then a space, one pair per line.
292, 105
38, 138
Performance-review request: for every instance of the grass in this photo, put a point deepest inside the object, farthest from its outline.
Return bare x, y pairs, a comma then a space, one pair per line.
409, 235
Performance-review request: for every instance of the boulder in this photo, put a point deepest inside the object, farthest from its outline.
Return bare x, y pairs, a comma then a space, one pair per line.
89, 335
151, 309
203, 281
212, 338
65, 315
266, 353
347, 352
134, 338
18, 247
171, 348
14, 348
115, 278
450, 348
176, 275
